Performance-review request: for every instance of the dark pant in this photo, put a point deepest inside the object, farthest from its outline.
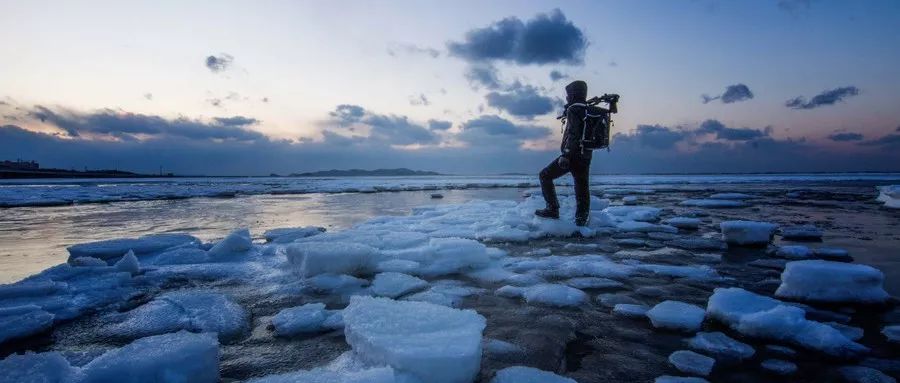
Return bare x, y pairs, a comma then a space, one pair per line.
580, 168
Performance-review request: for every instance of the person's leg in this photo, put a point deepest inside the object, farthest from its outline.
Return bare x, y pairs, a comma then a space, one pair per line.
547, 175
581, 169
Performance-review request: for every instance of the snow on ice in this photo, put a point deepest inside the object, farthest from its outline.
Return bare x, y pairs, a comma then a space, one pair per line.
675, 315
764, 317
690, 362
827, 281
747, 233
432, 342
298, 320
199, 311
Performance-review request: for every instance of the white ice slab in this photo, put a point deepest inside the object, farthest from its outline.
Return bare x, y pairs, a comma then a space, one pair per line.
827, 281
675, 315
522, 374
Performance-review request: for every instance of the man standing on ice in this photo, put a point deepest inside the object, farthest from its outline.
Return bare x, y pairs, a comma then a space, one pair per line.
573, 159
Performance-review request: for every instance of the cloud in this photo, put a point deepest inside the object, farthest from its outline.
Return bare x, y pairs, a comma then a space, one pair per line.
556, 75
828, 97
521, 101
387, 129
547, 38
148, 96
219, 63
844, 137
723, 132
654, 136
111, 123
898, 129
483, 74
396, 49
733, 93
890, 141
419, 99
495, 130
439, 125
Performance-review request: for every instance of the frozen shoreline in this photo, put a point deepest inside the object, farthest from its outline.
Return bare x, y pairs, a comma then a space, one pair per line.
525, 276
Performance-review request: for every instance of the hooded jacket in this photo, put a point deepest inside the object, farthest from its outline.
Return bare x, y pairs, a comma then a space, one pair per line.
576, 93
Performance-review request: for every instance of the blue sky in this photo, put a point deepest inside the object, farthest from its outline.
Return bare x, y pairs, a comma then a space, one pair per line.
462, 87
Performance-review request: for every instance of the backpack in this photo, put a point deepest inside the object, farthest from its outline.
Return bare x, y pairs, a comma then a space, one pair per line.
597, 126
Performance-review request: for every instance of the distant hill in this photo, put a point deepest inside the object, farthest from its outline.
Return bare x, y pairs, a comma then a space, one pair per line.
401, 172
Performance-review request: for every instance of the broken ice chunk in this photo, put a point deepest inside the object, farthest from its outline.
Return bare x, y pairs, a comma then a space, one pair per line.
747, 233
290, 234
802, 232
314, 258
554, 295
392, 285
827, 281
298, 320
114, 248
675, 315
238, 242
184, 310
778, 366
434, 343
721, 346
22, 321
178, 357
691, 362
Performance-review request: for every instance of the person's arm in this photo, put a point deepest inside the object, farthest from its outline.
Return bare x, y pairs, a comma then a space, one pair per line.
574, 130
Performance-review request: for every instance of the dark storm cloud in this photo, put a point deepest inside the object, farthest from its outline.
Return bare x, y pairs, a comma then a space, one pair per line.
556, 75
219, 63
732, 94
521, 101
495, 130
890, 141
396, 49
439, 125
389, 129
547, 38
828, 97
723, 132
844, 137
483, 74
123, 125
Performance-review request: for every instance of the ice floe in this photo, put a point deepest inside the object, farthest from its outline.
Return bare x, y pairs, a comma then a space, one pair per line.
892, 333
22, 321
860, 374
747, 233
291, 234
794, 252
714, 203
434, 343
630, 310
308, 318
115, 248
684, 222
764, 317
675, 315
779, 366
393, 284
801, 232
721, 346
198, 311
827, 281
690, 362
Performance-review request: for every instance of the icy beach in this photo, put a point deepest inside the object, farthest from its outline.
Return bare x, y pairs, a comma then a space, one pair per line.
720, 278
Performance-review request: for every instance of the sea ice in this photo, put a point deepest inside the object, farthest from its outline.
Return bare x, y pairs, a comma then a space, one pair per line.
860, 374
630, 200
434, 343
398, 265
714, 203
115, 248
793, 252
497, 347
128, 264
301, 319
88, 262
778, 366
442, 256
890, 195
321, 375
802, 232
827, 281
679, 379
200, 311
721, 346
314, 258
690, 362
763, 317
892, 333
833, 254
743, 233
675, 315
178, 357
238, 242
22, 321
684, 222
290, 234
392, 285
554, 295
45, 367
522, 374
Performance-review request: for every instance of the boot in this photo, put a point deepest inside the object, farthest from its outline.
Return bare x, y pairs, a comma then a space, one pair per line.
582, 219
548, 212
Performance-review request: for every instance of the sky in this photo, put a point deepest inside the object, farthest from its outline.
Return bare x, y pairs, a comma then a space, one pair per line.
467, 87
